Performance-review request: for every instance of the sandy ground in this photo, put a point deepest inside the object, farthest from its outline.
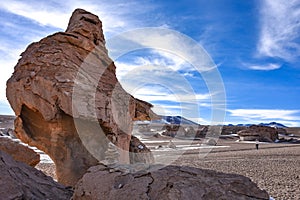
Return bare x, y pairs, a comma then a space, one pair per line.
48, 169
274, 167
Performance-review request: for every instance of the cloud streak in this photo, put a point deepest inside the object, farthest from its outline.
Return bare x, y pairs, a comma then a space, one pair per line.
280, 29
265, 114
115, 15
267, 67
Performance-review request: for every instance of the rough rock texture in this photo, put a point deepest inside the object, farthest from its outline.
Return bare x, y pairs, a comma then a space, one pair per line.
139, 153
20, 181
201, 131
174, 130
261, 133
171, 182
68, 101
227, 130
19, 152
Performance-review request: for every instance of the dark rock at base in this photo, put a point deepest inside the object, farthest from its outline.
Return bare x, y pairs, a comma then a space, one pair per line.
168, 183
20, 181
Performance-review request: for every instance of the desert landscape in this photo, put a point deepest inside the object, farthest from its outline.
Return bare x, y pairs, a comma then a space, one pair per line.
274, 167
78, 134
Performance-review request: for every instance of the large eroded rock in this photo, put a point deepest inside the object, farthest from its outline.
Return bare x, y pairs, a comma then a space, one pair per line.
68, 101
20, 181
169, 183
261, 133
19, 151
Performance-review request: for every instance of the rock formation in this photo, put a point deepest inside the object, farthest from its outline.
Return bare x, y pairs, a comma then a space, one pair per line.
227, 130
68, 101
19, 152
139, 153
261, 133
174, 130
20, 181
171, 182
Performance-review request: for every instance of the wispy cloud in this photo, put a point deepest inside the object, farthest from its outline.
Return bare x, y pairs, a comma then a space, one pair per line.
267, 67
44, 14
159, 58
260, 115
165, 42
280, 29
115, 15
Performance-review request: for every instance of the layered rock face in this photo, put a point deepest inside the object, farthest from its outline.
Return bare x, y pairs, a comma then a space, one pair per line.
68, 101
19, 152
20, 181
171, 182
261, 133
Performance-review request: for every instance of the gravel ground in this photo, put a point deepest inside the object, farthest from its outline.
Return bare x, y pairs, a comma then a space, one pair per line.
274, 167
48, 169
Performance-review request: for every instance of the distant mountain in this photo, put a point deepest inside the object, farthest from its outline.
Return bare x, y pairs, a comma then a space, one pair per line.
174, 120
244, 125
273, 124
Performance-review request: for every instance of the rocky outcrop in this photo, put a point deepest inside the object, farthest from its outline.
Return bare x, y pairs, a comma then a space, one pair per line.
227, 130
20, 181
201, 131
68, 101
171, 182
261, 133
19, 151
139, 153
174, 130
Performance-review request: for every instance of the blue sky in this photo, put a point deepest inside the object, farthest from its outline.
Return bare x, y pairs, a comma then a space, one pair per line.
255, 46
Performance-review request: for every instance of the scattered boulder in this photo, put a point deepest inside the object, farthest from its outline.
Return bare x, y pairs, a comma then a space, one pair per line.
260, 133
139, 153
68, 101
171, 145
19, 151
210, 142
201, 131
190, 131
20, 181
174, 130
170, 182
7, 132
282, 131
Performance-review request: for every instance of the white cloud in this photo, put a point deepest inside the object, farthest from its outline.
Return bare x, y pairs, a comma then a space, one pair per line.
155, 58
169, 44
44, 14
267, 67
265, 114
114, 15
280, 29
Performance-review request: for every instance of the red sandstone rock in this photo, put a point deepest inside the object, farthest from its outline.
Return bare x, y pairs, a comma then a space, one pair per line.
68, 101
19, 152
